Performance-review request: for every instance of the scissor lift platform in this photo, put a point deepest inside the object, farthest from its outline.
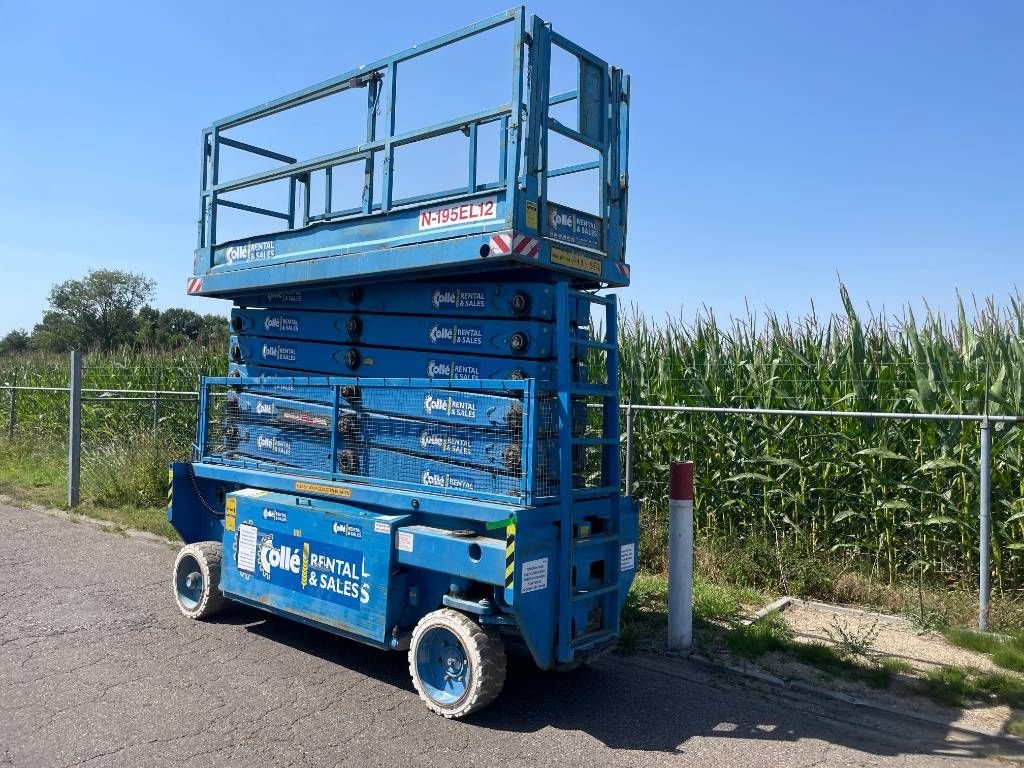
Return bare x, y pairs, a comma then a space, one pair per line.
507, 225
417, 444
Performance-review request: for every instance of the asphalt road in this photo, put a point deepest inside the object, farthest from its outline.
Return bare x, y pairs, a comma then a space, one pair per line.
98, 668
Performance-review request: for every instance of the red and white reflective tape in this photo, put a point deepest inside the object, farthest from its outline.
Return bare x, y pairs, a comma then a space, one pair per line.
680, 555
507, 243
501, 245
195, 284
623, 268
525, 246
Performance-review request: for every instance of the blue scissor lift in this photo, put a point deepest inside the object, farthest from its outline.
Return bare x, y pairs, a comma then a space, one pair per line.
417, 446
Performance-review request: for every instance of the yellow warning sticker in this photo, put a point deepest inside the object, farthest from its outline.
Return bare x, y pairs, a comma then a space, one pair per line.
531, 214
323, 490
230, 510
575, 260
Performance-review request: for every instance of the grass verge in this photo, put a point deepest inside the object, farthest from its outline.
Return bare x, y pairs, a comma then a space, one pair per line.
718, 628
123, 482
1006, 651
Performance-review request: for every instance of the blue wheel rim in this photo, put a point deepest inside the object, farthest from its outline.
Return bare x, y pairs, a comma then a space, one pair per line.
188, 582
443, 666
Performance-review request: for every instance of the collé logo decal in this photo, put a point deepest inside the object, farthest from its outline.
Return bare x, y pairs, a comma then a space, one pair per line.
250, 252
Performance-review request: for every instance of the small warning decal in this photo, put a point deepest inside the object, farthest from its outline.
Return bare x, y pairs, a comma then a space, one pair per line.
535, 575
405, 541
575, 260
323, 490
247, 548
230, 508
531, 215
627, 557
379, 527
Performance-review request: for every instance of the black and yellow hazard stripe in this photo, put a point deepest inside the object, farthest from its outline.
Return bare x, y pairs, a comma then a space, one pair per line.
510, 555
170, 486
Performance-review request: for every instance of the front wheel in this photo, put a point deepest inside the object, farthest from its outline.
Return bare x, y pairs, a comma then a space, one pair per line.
196, 579
457, 665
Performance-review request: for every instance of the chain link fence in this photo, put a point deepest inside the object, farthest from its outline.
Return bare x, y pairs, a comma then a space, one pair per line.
903, 495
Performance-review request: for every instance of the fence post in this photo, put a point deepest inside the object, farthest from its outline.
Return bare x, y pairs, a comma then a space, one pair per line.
985, 532
156, 397
13, 413
680, 556
75, 428
629, 447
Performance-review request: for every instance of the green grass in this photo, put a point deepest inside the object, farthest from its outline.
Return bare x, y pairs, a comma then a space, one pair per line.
714, 605
1015, 727
35, 473
981, 642
1009, 657
1005, 652
959, 687
948, 685
896, 666
771, 633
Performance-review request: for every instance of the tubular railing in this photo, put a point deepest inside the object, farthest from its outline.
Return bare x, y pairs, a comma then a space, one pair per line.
380, 80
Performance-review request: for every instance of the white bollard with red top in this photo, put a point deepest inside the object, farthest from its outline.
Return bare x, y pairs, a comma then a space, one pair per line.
680, 556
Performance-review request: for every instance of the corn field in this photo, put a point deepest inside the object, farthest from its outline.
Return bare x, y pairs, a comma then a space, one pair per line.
897, 497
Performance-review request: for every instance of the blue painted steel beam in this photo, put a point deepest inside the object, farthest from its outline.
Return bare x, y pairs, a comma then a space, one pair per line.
578, 168
561, 98
253, 149
254, 209
478, 558
517, 338
352, 360
569, 133
500, 406
451, 298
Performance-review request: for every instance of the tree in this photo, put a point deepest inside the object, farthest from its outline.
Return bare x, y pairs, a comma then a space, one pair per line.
98, 311
147, 325
178, 327
14, 342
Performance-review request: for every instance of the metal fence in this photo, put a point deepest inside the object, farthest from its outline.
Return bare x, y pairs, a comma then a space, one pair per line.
984, 422
99, 405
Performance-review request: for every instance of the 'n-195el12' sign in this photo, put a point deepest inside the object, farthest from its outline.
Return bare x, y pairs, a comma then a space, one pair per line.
459, 213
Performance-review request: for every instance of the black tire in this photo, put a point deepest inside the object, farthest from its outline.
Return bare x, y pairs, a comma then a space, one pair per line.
196, 579
484, 653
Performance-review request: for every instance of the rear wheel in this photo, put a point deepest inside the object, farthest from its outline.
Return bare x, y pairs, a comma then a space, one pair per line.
196, 579
457, 665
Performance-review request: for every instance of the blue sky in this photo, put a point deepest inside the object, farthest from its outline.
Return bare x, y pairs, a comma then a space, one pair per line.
775, 145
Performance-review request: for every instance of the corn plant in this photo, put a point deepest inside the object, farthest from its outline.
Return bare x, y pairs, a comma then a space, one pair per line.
895, 497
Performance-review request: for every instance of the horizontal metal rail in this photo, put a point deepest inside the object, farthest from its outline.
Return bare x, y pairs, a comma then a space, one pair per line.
712, 409
356, 78
828, 414
169, 392
362, 151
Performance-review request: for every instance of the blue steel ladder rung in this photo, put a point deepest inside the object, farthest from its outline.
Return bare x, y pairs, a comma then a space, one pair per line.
595, 441
591, 343
601, 539
591, 639
592, 391
584, 594
593, 298
596, 492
